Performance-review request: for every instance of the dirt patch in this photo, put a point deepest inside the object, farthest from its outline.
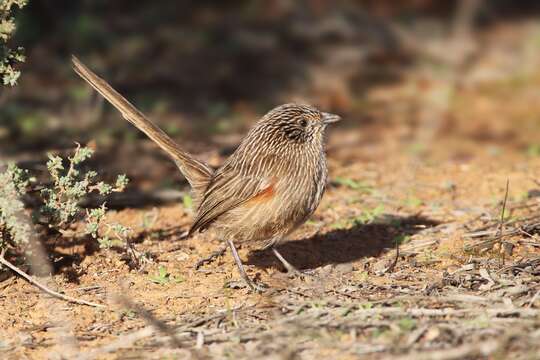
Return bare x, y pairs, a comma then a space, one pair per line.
436, 298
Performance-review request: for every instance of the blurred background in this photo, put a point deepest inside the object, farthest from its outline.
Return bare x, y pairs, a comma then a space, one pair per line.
442, 79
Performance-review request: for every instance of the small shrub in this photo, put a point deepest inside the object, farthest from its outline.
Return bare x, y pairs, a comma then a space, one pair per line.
60, 202
9, 57
69, 187
13, 184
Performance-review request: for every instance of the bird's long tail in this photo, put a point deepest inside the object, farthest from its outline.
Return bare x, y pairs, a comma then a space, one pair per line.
196, 172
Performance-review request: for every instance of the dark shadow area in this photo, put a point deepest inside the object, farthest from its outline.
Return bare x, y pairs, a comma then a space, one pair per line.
205, 69
196, 52
136, 199
344, 245
66, 254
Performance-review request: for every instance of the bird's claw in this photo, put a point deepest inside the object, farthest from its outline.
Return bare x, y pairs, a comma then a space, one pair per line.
241, 284
295, 273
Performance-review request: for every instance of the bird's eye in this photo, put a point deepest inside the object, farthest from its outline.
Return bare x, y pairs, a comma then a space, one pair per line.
303, 122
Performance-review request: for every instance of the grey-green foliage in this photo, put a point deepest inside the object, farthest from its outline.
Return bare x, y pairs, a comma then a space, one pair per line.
13, 184
9, 57
69, 187
61, 200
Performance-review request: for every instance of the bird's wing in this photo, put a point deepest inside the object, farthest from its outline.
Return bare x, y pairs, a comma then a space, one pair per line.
228, 190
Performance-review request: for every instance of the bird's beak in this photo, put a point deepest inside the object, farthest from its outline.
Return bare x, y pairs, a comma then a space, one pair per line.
328, 118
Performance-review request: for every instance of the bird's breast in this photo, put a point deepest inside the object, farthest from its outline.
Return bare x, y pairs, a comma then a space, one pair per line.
284, 203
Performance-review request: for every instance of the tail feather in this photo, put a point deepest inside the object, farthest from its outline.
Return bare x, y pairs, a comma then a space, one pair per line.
196, 172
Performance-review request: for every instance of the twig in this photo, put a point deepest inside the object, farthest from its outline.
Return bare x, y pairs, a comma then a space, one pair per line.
88, 288
503, 208
416, 335
206, 319
151, 320
501, 223
210, 258
464, 18
393, 264
46, 289
533, 299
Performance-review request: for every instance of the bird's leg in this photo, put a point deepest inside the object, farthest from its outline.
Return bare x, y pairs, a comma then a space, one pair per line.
210, 258
240, 266
291, 269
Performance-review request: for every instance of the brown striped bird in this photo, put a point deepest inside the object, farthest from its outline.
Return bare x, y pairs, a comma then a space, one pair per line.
265, 190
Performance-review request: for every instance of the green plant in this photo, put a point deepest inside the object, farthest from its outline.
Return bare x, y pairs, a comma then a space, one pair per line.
149, 219
413, 202
533, 150
407, 324
366, 305
353, 184
366, 217
187, 201
60, 200
163, 277
127, 314
70, 185
402, 239
9, 57
13, 229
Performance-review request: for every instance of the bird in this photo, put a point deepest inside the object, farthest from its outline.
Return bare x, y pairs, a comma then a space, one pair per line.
268, 187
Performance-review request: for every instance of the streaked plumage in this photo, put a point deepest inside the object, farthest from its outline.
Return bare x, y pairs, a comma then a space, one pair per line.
267, 188
273, 182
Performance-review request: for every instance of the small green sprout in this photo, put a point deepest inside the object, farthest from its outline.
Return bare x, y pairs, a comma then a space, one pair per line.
369, 216
163, 277
366, 217
187, 200
353, 184
413, 202
407, 324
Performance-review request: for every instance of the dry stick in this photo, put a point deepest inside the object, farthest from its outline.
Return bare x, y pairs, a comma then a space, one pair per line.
394, 263
210, 258
501, 224
515, 207
45, 289
499, 233
151, 319
534, 299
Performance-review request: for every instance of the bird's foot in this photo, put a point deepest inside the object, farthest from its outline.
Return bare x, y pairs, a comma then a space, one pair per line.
295, 273
292, 271
242, 284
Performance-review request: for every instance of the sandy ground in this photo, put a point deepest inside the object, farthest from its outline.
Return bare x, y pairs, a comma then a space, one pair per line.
390, 194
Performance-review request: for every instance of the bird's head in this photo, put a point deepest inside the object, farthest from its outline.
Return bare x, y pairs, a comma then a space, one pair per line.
297, 123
